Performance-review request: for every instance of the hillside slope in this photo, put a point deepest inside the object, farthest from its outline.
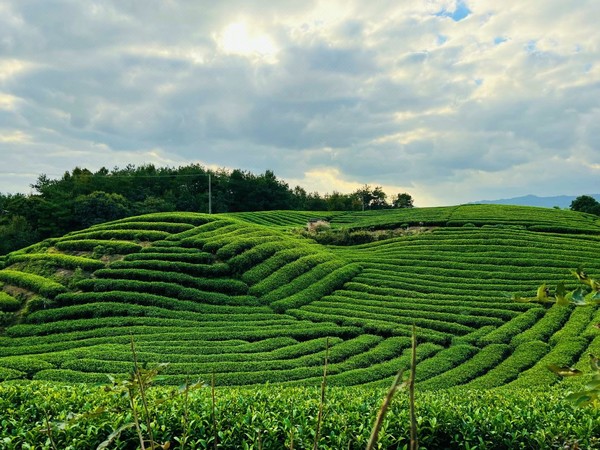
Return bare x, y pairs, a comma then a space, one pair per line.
247, 297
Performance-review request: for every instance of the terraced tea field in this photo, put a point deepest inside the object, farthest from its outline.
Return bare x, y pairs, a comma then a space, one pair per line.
248, 298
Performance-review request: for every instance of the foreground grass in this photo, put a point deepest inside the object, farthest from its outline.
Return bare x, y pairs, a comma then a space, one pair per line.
50, 415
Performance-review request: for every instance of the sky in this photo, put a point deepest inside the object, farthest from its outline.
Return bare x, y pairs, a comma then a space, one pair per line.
451, 101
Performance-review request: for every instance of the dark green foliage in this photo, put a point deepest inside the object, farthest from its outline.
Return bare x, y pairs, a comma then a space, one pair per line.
486, 359
225, 285
447, 419
58, 260
505, 333
35, 283
444, 360
185, 297
523, 357
28, 365
112, 246
200, 270
586, 204
552, 321
318, 289
162, 254
8, 303
562, 354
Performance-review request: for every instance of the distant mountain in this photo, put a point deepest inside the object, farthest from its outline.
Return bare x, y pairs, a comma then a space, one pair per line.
562, 201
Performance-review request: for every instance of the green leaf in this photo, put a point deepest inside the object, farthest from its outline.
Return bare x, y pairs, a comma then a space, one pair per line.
115, 434
560, 295
564, 371
578, 296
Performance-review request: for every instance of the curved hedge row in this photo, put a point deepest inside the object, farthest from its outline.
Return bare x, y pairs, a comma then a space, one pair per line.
289, 272
107, 234
523, 358
8, 303
141, 298
166, 289
552, 321
163, 254
199, 270
224, 285
318, 289
506, 332
81, 245
35, 283
169, 227
562, 354
487, 358
58, 259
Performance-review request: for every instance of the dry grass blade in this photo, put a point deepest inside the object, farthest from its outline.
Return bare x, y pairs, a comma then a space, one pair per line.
322, 402
396, 384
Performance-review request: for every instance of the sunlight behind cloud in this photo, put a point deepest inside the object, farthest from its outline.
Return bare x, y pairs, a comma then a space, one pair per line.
238, 39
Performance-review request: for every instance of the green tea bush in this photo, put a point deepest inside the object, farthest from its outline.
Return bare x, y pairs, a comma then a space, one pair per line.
10, 374
505, 333
169, 227
371, 354
155, 300
257, 254
35, 283
277, 261
487, 358
162, 254
26, 364
123, 235
289, 272
563, 354
58, 259
266, 417
381, 370
238, 246
578, 321
79, 245
199, 270
326, 285
444, 360
524, 357
8, 303
551, 322
225, 285
304, 281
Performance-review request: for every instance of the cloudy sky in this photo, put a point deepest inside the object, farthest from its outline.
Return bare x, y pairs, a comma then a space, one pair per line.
451, 101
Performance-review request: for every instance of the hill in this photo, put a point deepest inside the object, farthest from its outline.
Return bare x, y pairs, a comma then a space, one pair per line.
251, 298
560, 201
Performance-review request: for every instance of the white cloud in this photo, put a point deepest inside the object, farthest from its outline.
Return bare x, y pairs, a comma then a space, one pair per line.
417, 96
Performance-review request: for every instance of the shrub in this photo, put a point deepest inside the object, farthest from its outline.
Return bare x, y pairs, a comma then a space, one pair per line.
8, 303
524, 356
488, 357
119, 247
35, 283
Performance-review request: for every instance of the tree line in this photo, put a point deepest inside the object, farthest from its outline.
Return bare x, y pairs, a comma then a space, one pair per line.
81, 198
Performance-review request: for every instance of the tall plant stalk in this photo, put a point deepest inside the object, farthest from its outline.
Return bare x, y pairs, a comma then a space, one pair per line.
387, 400
142, 389
414, 443
322, 402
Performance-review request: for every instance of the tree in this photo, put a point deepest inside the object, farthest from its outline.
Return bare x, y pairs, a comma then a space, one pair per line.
99, 207
372, 198
586, 204
403, 200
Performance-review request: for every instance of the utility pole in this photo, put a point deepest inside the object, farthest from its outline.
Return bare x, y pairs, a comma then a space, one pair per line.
209, 195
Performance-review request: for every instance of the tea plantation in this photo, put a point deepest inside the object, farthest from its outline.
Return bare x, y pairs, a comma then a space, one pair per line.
246, 299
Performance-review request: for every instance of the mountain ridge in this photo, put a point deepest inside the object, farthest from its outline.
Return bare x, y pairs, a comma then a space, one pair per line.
561, 201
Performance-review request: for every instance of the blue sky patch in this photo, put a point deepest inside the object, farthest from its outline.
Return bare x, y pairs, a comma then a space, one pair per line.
460, 12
